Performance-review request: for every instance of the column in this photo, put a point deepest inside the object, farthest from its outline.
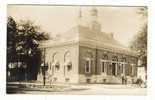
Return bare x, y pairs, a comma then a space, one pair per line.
115, 68
124, 69
105, 68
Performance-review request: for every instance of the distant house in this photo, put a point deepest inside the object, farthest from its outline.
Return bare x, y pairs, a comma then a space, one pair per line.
85, 54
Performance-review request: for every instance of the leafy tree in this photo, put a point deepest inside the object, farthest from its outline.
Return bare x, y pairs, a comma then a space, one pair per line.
11, 39
29, 36
22, 44
139, 43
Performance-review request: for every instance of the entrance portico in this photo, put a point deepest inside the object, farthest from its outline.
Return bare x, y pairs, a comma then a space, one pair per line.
114, 67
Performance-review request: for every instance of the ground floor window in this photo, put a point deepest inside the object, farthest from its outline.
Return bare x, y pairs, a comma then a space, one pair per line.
88, 66
69, 67
57, 66
103, 67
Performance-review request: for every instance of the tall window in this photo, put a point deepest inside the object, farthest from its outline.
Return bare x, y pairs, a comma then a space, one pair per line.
57, 66
114, 65
88, 66
69, 66
88, 61
123, 65
67, 60
104, 63
55, 63
103, 66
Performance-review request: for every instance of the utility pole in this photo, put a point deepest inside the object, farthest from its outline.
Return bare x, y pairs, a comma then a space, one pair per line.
44, 74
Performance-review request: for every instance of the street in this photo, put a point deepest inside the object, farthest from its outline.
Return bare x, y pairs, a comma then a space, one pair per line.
79, 89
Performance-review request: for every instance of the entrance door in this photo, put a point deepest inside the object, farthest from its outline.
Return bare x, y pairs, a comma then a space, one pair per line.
113, 68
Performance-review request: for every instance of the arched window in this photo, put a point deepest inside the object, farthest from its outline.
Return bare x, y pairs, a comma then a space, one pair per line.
55, 62
57, 66
67, 56
69, 66
67, 60
55, 56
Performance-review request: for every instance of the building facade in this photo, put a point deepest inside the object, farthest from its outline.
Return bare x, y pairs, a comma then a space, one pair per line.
86, 54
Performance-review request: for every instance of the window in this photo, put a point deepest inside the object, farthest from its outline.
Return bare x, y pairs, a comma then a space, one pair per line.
88, 61
55, 61
67, 60
103, 66
104, 63
67, 56
69, 67
133, 68
57, 67
87, 66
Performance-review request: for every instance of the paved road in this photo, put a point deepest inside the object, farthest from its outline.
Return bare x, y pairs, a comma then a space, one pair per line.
86, 89
106, 90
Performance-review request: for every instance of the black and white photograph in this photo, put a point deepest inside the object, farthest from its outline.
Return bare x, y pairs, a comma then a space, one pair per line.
76, 49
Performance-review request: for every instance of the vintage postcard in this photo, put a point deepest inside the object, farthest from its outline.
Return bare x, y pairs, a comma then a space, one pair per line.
84, 49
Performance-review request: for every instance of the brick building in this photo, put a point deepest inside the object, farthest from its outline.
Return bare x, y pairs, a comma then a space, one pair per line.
85, 54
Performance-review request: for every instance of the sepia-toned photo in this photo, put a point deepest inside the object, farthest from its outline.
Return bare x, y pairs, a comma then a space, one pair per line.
76, 50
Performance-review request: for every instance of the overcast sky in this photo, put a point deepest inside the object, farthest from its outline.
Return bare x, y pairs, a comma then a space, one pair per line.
123, 22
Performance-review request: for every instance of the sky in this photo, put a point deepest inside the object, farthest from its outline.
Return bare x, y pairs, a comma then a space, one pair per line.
123, 22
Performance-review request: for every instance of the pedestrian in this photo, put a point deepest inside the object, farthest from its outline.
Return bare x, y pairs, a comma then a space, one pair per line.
123, 79
139, 81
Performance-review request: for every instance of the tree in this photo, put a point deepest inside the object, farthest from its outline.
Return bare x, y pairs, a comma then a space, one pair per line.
22, 44
11, 39
29, 36
139, 43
